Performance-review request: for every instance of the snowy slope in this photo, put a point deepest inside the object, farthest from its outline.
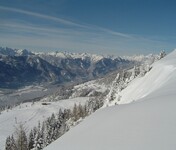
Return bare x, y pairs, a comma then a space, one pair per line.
148, 123
30, 114
160, 73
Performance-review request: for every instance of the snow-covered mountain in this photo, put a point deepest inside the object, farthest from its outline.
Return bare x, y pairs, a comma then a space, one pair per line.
14, 52
87, 66
146, 123
22, 67
83, 56
18, 71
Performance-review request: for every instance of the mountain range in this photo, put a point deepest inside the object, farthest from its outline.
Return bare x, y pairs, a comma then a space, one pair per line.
23, 67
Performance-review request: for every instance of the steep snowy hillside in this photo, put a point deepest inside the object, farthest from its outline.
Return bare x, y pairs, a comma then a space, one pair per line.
144, 85
148, 123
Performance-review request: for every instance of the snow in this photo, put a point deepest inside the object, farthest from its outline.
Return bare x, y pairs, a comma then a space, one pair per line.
148, 123
29, 114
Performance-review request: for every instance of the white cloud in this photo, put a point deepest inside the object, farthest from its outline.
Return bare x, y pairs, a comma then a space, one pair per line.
65, 22
60, 20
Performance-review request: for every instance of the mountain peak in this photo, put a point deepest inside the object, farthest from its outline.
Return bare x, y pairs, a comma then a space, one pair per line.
14, 52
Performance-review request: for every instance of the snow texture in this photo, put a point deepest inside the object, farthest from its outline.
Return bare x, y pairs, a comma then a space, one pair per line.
147, 124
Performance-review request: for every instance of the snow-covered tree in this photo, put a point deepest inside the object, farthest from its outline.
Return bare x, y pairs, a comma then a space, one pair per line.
13, 143
75, 113
8, 143
21, 138
44, 134
31, 140
67, 114
162, 54
38, 139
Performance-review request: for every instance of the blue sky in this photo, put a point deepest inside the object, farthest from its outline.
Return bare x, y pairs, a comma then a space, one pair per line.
120, 27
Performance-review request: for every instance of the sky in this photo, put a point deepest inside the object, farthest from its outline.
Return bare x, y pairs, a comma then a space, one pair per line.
115, 27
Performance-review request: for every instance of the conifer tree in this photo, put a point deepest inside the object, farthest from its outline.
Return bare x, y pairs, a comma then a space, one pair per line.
38, 139
21, 138
31, 140
80, 111
75, 113
8, 143
13, 143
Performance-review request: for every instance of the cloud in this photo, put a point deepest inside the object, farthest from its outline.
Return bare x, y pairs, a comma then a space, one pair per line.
66, 22
56, 19
114, 32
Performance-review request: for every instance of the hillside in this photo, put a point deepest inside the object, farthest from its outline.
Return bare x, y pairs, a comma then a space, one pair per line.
148, 123
29, 114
